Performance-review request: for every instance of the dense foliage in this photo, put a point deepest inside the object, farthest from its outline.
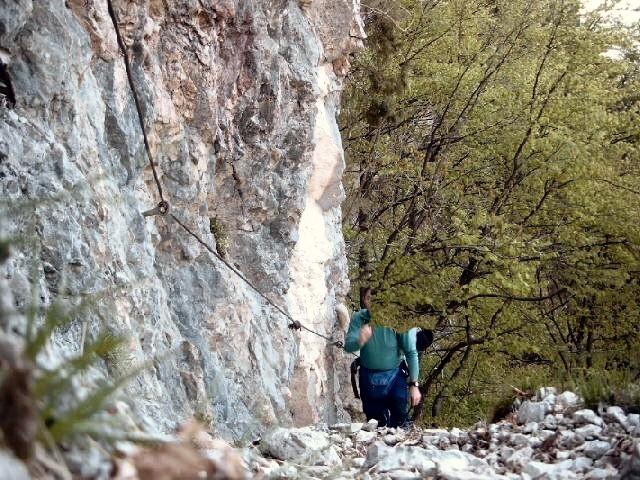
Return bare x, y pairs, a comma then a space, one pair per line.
493, 192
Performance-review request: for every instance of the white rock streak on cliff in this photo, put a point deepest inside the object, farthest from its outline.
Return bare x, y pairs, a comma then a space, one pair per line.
319, 244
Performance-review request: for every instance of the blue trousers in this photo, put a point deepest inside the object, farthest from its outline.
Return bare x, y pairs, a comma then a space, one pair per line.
384, 395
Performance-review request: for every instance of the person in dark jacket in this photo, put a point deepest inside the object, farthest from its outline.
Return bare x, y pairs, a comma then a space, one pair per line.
385, 389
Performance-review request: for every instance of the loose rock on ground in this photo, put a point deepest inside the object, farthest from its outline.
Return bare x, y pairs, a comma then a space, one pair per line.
548, 438
551, 437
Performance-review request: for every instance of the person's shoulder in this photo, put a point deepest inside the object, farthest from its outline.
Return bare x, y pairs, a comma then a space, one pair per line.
409, 338
411, 333
362, 315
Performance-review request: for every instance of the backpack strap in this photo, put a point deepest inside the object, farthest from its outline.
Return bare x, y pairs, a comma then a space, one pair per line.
404, 366
355, 365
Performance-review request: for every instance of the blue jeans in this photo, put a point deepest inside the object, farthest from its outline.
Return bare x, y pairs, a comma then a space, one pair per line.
385, 396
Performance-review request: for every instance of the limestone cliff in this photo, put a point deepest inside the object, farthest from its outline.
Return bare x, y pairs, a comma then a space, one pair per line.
239, 101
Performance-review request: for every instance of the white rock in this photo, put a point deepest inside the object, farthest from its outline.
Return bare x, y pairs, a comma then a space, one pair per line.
385, 459
601, 474
555, 471
550, 401
446, 474
320, 471
506, 453
391, 439
544, 434
444, 443
388, 459
437, 431
375, 453
341, 427
467, 448
347, 427
516, 476
589, 431
595, 448
365, 437
455, 459
519, 440
456, 434
567, 400
588, 416
550, 422
12, 468
433, 437
581, 464
404, 475
615, 414
331, 457
493, 459
482, 453
302, 445
532, 412
569, 440
630, 467
545, 392
519, 459
537, 469
370, 426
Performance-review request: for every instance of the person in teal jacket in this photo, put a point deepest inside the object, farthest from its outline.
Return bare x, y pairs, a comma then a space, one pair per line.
384, 389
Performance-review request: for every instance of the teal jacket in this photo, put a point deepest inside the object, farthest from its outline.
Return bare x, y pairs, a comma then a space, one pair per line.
386, 348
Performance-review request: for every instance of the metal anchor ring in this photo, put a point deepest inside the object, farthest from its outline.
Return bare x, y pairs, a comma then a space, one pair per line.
161, 209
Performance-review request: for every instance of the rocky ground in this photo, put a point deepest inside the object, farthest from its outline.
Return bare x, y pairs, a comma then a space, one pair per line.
550, 437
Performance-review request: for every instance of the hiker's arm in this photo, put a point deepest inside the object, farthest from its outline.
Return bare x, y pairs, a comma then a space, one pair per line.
411, 354
353, 338
408, 345
414, 366
414, 374
414, 395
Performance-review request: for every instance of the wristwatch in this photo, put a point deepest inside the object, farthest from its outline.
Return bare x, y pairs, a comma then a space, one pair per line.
414, 383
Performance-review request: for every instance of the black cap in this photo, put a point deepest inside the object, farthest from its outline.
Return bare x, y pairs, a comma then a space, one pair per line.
424, 338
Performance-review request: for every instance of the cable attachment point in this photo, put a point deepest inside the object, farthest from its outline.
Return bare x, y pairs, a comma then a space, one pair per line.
295, 325
161, 209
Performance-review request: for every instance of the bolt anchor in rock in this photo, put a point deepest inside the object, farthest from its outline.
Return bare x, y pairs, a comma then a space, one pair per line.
161, 209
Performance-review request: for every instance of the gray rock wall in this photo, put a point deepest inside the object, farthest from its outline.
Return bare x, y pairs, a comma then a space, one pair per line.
239, 100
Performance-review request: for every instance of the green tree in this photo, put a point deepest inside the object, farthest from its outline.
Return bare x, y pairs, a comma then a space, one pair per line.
492, 156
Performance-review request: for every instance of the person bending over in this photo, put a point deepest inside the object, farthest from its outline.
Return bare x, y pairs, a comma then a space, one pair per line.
385, 388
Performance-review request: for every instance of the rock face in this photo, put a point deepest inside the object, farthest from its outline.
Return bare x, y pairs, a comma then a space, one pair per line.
239, 100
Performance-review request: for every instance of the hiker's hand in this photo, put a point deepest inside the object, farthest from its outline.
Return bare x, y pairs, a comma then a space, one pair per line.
414, 395
366, 332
